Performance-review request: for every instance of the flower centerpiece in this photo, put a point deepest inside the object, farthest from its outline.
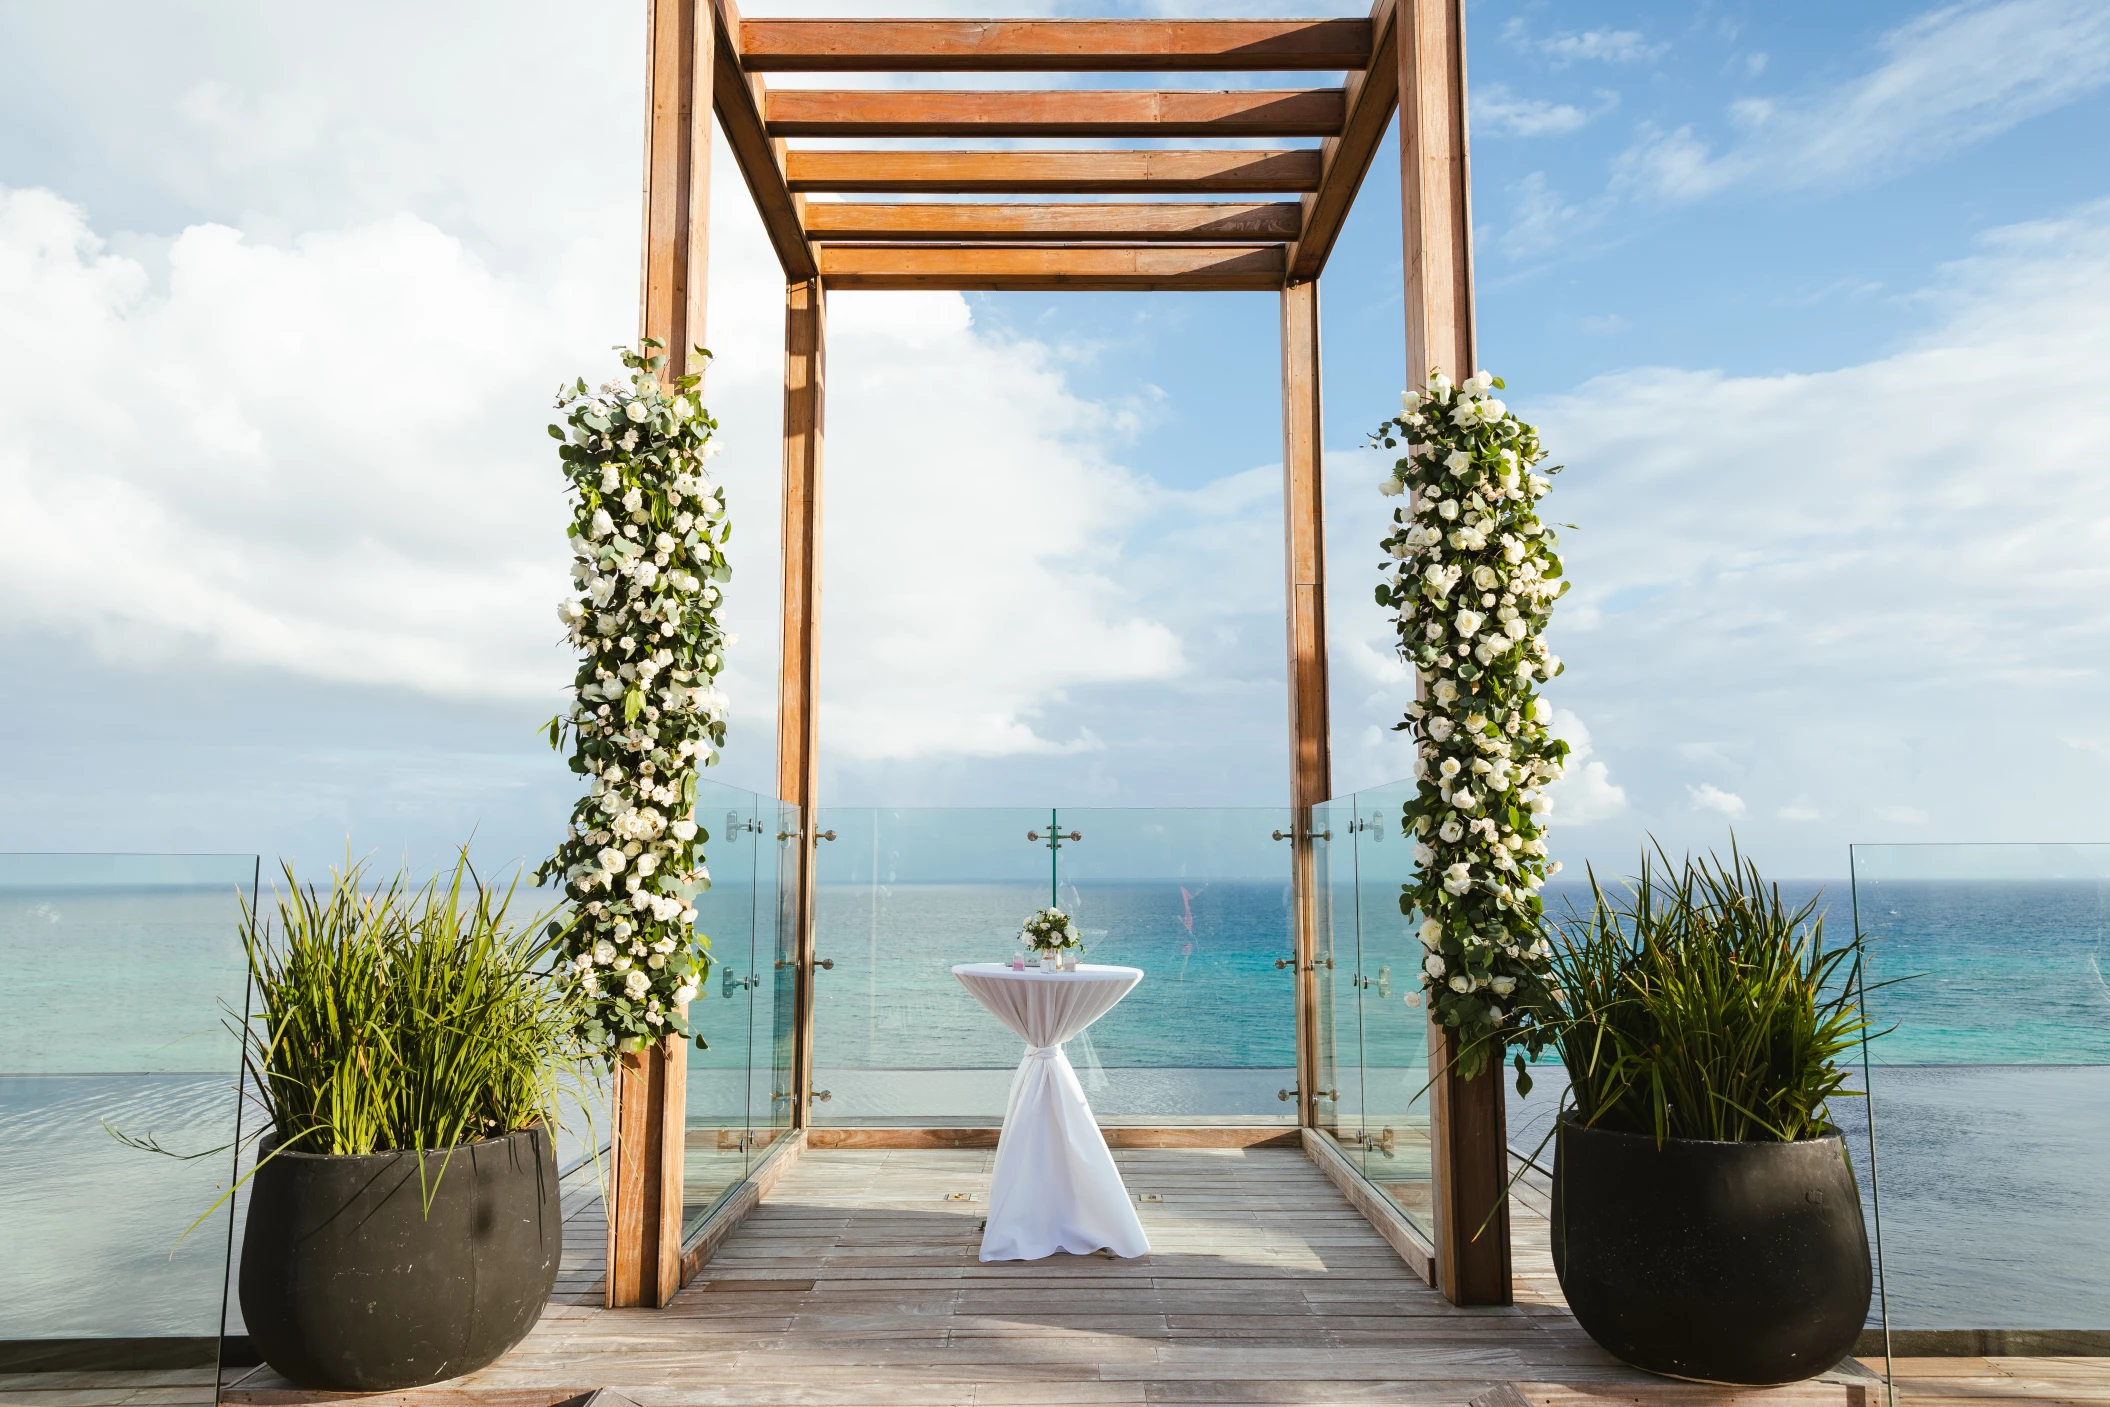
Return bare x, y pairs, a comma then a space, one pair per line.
648, 534
1472, 578
1050, 934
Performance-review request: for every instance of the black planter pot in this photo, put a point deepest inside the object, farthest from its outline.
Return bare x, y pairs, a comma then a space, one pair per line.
349, 1284
1722, 1262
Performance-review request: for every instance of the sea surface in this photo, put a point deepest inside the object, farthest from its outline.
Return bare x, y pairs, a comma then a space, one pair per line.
1991, 1087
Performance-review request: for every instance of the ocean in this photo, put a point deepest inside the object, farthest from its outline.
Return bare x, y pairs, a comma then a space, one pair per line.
1991, 1095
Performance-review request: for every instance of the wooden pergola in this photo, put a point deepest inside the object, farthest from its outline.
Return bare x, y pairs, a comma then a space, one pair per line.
1209, 218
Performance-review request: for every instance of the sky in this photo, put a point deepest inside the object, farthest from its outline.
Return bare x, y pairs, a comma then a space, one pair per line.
1812, 303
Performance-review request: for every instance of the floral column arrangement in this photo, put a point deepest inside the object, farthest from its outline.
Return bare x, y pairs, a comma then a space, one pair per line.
1472, 578
648, 533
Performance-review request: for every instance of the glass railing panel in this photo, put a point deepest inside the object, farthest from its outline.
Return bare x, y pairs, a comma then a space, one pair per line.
1200, 900
126, 987
1336, 976
1395, 1033
1990, 1095
901, 896
715, 1156
773, 1031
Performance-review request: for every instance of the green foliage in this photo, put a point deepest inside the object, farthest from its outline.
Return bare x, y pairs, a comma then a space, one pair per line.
393, 1019
1696, 1004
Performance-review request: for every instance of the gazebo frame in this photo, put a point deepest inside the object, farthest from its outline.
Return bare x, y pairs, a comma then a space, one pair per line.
1409, 55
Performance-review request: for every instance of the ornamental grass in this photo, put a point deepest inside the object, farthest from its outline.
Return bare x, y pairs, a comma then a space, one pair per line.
393, 1019
1696, 1004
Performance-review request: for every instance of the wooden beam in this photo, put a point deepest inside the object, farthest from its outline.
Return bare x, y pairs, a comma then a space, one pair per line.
1053, 172
798, 679
1068, 112
649, 1105
1073, 46
1230, 222
1074, 267
739, 101
1467, 1122
1372, 98
1304, 597
677, 220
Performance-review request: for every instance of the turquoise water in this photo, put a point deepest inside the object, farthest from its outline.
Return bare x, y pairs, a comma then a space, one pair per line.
1992, 1096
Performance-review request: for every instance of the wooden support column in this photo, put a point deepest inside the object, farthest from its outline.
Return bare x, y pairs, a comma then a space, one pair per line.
798, 684
650, 1088
1467, 1122
1304, 556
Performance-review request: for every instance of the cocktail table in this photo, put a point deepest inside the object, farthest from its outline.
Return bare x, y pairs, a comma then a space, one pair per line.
1055, 1187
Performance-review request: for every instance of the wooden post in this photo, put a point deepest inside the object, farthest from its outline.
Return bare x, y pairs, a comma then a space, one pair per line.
650, 1089
1304, 557
798, 682
1467, 1121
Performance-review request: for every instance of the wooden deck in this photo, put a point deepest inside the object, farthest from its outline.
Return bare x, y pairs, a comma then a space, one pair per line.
856, 1282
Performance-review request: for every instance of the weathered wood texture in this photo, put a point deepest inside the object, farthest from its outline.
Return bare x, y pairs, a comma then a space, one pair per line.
1080, 267
738, 97
1070, 112
648, 1098
1053, 172
1372, 97
1217, 221
1387, 1220
856, 1282
677, 177
798, 677
1304, 610
1071, 46
747, 1194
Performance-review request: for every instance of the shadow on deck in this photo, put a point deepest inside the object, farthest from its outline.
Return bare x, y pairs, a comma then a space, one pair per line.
856, 1282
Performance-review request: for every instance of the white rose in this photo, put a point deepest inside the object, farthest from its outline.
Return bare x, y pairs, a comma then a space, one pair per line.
1552, 666
1441, 728
1461, 984
634, 497
1448, 509
684, 995
1503, 986
1458, 878
1541, 711
1457, 461
602, 524
1478, 384
1464, 800
604, 952
1449, 769
1492, 410
1433, 964
1431, 934
636, 410
1445, 691
684, 829
1451, 831
1540, 804
1485, 578
1468, 622
1391, 488
637, 983
646, 864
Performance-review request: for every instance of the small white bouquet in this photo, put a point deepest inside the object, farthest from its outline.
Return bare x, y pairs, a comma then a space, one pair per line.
1050, 934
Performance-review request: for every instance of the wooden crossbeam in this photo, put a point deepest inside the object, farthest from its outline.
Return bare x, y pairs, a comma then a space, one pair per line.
1135, 112
1372, 97
738, 100
1054, 45
1071, 267
1053, 172
1232, 222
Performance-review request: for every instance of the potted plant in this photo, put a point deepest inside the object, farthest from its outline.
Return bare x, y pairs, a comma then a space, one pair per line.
1706, 1223
1052, 937
404, 1220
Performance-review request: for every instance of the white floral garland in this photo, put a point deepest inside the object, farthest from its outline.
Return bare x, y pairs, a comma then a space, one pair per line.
1473, 578
648, 529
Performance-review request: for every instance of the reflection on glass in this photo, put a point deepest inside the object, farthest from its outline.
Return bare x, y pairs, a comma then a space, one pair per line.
722, 1015
1395, 1033
126, 984
1991, 1096
1337, 976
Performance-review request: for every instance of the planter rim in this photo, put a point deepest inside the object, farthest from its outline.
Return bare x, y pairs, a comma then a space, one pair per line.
1831, 1134
270, 1144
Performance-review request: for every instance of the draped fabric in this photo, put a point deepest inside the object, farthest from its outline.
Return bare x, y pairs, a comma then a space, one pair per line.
1055, 1187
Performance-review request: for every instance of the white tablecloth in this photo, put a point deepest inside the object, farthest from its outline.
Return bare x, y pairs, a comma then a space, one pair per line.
1055, 1187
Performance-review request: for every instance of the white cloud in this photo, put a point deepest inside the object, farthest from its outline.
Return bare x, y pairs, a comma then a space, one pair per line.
1542, 223
1616, 46
1709, 797
1947, 78
1746, 537
1497, 112
1586, 792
